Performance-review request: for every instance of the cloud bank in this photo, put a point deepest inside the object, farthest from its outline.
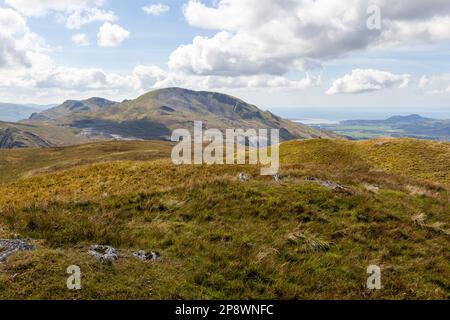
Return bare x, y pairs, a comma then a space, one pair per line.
368, 80
254, 44
276, 37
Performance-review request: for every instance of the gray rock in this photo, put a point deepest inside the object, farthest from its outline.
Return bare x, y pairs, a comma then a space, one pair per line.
328, 184
144, 256
104, 253
10, 246
243, 177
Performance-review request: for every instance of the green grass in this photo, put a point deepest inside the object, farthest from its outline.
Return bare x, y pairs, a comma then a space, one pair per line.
19, 163
223, 239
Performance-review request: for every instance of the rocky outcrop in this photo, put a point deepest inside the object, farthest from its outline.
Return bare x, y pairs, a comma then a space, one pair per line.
12, 138
8, 247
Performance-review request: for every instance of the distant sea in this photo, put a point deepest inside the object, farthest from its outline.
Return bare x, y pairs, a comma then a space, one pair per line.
314, 121
314, 117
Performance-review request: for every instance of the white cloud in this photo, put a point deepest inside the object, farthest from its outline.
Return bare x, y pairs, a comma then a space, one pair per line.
149, 77
435, 84
360, 81
80, 39
82, 17
73, 13
256, 44
424, 82
244, 82
156, 9
275, 37
57, 83
43, 7
27, 69
19, 47
111, 35
79, 79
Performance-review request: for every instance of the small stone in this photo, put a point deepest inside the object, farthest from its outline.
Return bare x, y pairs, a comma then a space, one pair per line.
243, 177
144, 256
104, 253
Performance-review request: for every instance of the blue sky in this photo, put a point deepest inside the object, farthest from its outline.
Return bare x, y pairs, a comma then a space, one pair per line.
153, 37
296, 56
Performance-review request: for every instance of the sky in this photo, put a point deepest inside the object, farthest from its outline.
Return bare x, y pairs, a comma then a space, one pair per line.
305, 57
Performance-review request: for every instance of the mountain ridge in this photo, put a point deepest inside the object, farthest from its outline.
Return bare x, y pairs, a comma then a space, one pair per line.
154, 115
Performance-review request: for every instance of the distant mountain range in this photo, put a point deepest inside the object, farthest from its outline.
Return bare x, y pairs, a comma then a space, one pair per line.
414, 126
15, 112
152, 116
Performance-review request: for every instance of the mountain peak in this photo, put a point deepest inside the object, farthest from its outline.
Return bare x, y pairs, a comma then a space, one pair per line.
100, 101
70, 107
94, 100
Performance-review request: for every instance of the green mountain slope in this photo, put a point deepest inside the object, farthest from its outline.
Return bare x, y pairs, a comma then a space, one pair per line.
156, 114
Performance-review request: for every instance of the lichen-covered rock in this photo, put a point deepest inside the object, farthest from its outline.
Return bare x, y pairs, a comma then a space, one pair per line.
104, 253
144, 256
10, 246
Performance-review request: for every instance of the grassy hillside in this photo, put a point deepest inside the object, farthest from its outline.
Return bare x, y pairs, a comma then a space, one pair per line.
20, 163
221, 238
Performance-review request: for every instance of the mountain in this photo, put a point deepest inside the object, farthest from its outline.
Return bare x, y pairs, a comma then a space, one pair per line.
412, 126
15, 112
407, 119
156, 114
394, 120
72, 107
